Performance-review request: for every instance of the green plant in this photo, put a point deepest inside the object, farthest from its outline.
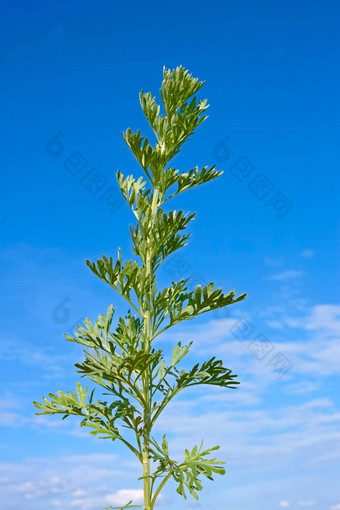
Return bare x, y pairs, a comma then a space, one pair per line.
123, 361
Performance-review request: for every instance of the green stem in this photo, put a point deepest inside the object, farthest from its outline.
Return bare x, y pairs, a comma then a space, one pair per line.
146, 414
160, 487
146, 376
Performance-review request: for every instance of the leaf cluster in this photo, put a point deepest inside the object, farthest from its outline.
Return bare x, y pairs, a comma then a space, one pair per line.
187, 473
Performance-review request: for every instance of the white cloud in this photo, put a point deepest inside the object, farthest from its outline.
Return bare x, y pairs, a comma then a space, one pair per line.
316, 350
257, 426
275, 324
79, 494
80, 481
319, 357
10, 419
320, 318
8, 416
123, 496
325, 318
284, 504
288, 275
120, 497
41, 488
317, 354
307, 254
82, 503
279, 438
209, 333
274, 261
52, 364
253, 441
301, 387
336, 507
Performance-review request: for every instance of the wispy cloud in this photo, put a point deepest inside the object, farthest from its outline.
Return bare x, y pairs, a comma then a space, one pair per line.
263, 426
288, 275
123, 496
79, 481
247, 435
325, 318
307, 254
274, 261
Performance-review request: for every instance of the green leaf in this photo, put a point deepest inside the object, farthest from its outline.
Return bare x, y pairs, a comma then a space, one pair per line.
128, 505
187, 473
210, 372
177, 87
94, 335
179, 352
177, 304
64, 403
123, 278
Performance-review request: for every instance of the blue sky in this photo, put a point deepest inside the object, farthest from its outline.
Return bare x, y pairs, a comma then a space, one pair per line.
269, 226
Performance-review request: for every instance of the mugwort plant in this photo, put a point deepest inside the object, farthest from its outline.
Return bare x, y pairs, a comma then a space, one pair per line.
122, 361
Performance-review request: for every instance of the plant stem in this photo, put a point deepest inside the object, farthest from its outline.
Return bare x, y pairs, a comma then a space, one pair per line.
146, 377
159, 490
146, 461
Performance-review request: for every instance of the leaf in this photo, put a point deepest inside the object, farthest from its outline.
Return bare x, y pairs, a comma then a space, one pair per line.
178, 304
122, 277
210, 372
177, 87
187, 473
179, 352
134, 193
64, 403
128, 505
94, 335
